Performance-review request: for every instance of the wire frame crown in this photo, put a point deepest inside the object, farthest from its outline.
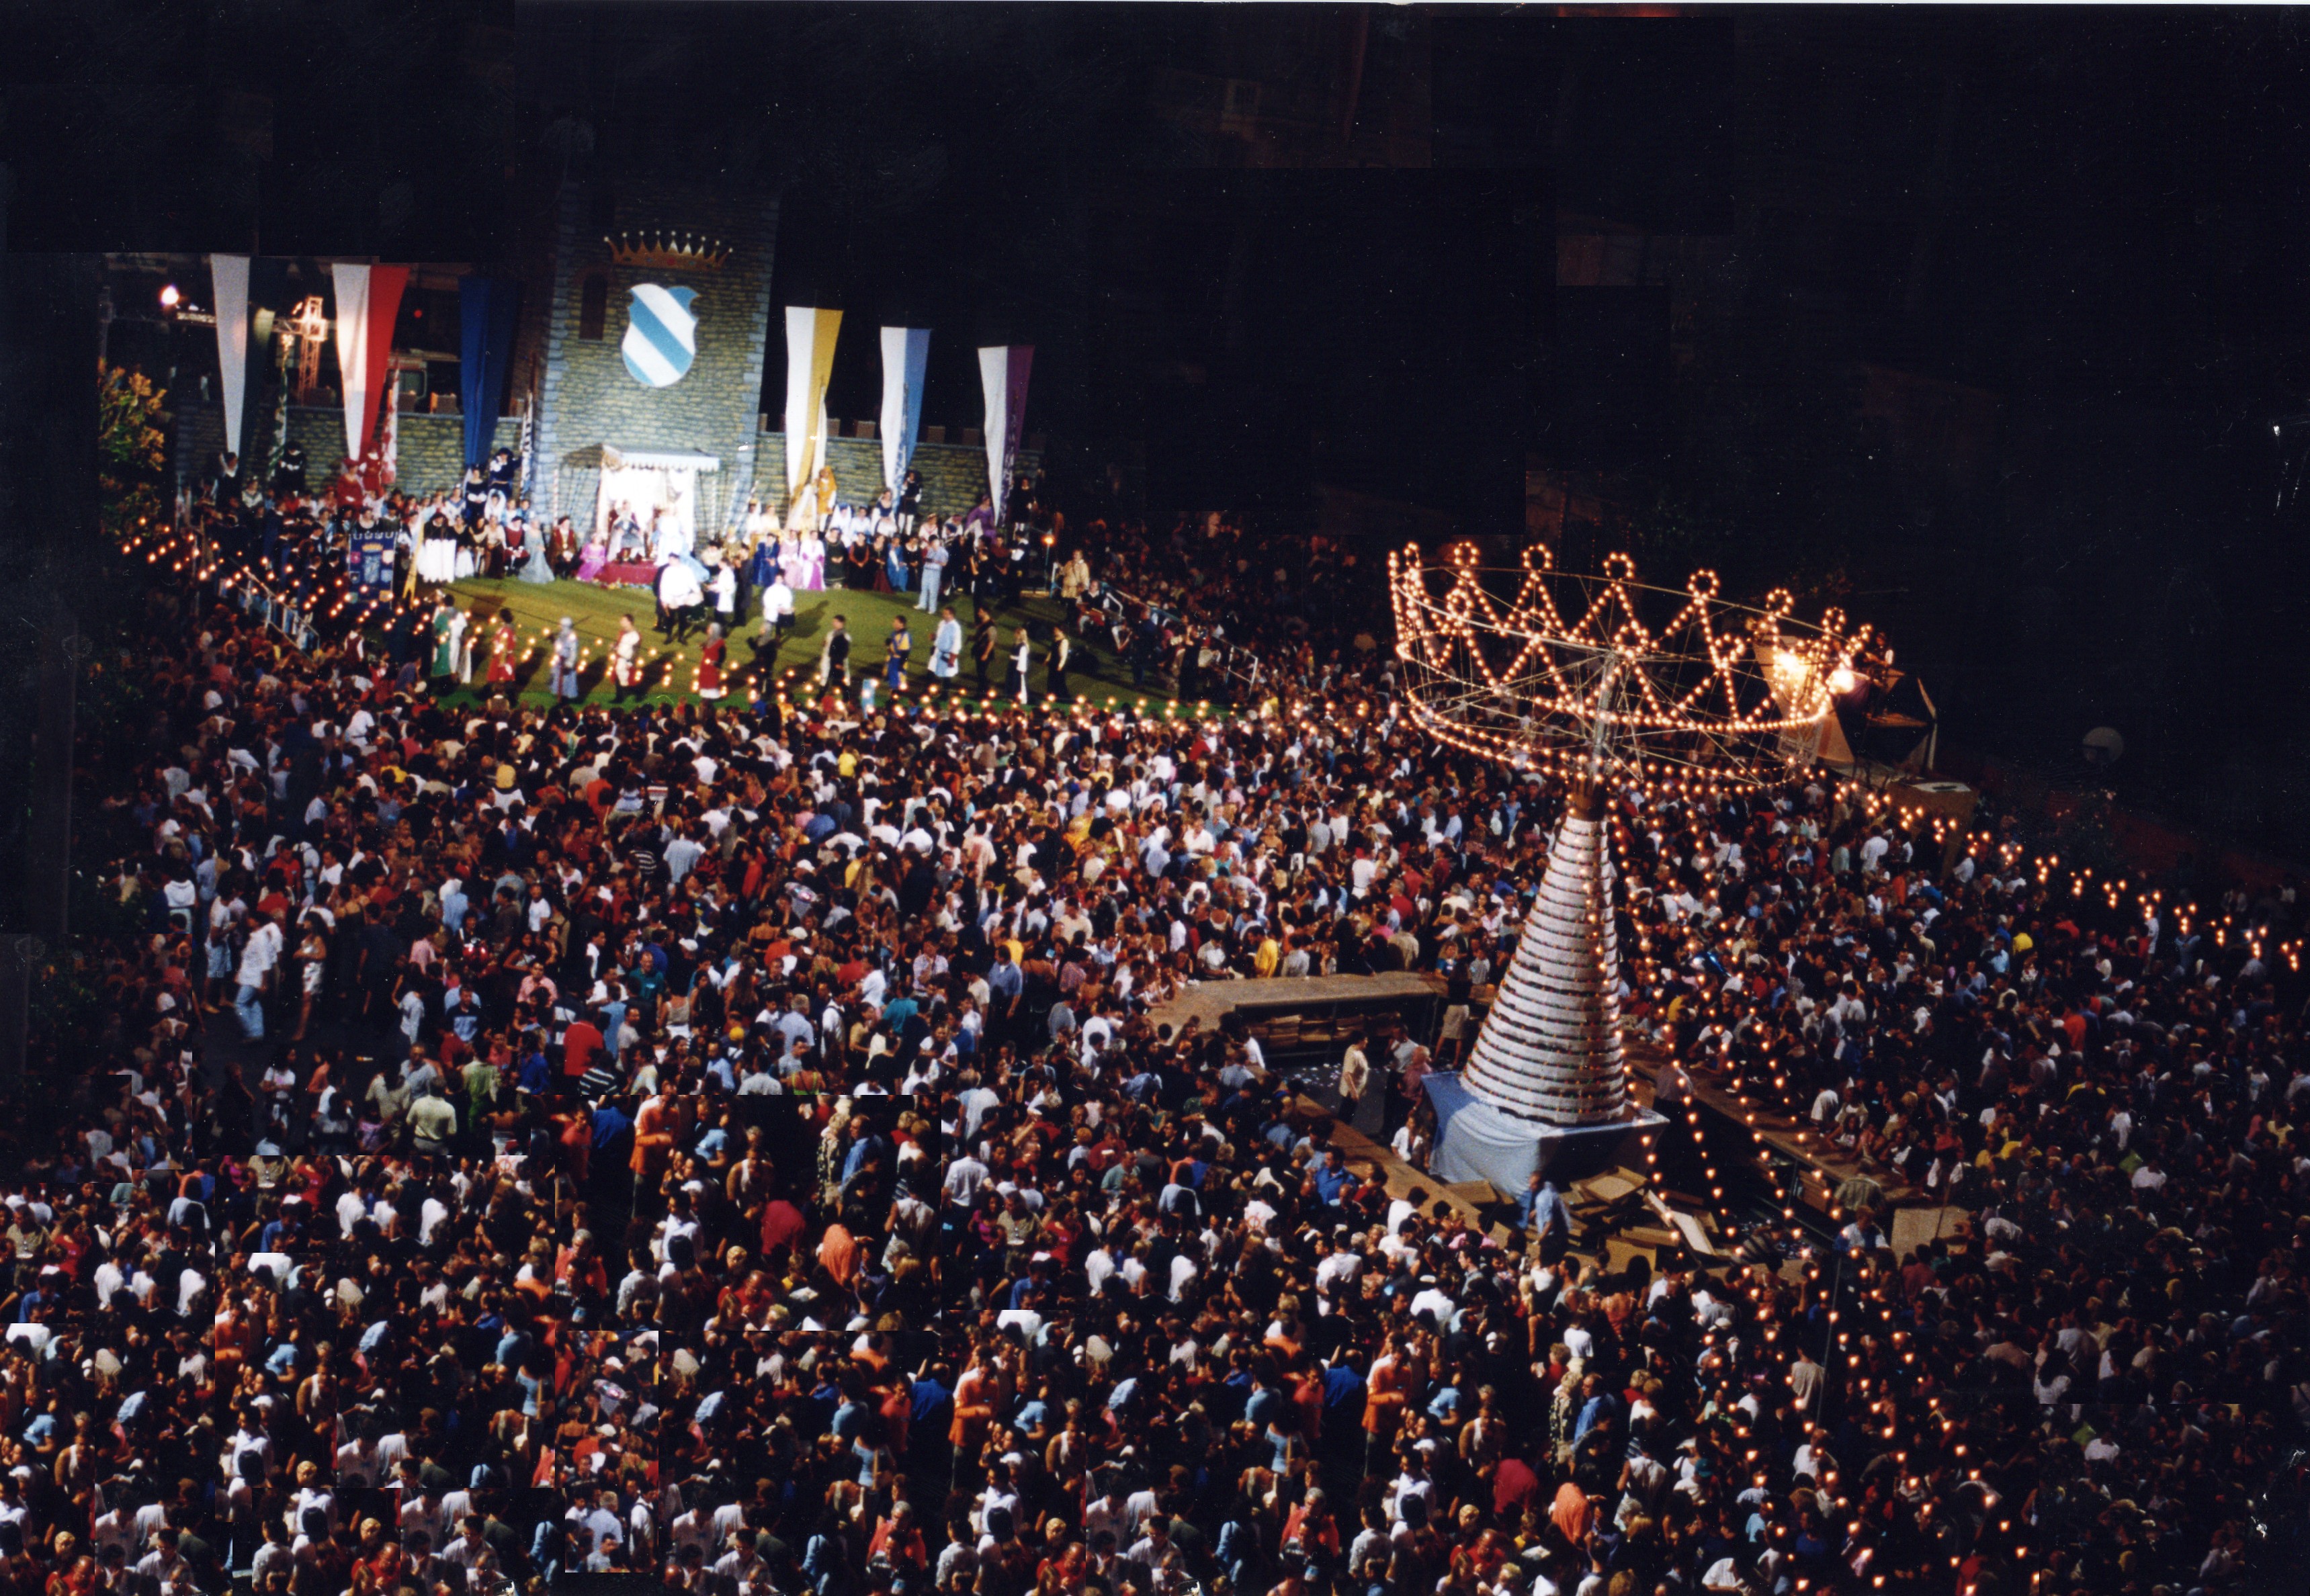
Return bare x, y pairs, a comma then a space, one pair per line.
1599, 676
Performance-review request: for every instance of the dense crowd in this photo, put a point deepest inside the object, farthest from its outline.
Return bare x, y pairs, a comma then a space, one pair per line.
741, 1146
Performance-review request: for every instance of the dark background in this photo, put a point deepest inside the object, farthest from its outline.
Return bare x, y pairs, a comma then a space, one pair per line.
1977, 321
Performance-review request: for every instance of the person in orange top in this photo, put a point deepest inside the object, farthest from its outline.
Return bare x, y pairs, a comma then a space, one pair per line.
1386, 1393
838, 1252
975, 1396
655, 1127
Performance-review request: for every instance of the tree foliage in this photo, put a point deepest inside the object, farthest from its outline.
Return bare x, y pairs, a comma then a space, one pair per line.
131, 449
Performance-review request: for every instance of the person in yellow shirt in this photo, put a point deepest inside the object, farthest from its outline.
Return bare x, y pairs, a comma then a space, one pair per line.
1267, 956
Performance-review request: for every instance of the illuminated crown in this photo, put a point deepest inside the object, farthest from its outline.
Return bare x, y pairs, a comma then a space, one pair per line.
672, 252
1599, 676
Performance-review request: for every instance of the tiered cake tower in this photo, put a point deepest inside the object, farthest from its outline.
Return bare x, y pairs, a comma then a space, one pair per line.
1549, 1050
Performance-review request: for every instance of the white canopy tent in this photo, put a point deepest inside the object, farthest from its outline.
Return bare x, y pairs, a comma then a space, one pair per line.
649, 479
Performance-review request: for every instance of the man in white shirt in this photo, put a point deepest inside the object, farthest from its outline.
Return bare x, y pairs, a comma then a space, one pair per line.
257, 957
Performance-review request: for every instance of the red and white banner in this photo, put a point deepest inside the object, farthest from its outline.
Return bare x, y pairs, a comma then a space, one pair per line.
368, 302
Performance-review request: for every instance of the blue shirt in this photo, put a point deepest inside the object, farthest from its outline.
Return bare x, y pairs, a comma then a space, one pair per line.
609, 1122
1543, 1211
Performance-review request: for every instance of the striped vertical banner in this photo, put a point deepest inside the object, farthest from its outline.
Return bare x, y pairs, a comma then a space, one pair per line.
1002, 370
228, 277
905, 356
809, 363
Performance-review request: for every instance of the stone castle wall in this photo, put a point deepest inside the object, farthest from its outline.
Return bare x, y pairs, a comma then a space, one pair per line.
429, 457
587, 398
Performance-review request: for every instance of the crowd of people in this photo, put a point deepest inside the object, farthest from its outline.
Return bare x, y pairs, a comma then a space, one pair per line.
741, 1145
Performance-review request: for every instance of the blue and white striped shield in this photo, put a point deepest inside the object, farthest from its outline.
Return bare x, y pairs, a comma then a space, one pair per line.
661, 335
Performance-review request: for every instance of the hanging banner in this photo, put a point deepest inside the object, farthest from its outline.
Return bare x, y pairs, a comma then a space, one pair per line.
905, 356
369, 301
352, 283
809, 364
228, 278
1002, 370
485, 315
378, 474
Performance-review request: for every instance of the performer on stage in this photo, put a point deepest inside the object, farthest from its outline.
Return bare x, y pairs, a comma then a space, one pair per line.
539, 566
446, 624
566, 651
597, 555
1055, 658
680, 598
710, 663
626, 659
778, 613
469, 643
437, 554
562, 547
946, 646
910, 501
502, 644
1022, 660
896, 651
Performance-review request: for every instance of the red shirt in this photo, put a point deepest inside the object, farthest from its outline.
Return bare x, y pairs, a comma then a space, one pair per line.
582, 1041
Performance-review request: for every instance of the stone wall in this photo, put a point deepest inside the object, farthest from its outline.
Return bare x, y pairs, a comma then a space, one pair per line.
587, 397
430, 456
954, 474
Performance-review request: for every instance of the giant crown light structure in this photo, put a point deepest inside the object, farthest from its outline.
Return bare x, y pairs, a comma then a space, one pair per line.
1606, 685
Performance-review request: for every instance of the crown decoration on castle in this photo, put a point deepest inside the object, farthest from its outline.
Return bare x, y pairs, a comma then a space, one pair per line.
668, 251
1599, 676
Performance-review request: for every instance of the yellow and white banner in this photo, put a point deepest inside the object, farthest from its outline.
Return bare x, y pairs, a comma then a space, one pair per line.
809, 364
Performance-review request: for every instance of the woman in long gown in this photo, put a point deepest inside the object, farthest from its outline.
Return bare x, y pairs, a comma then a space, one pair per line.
596, 556
763, 567
436, 551
813, 563
458, 659
539, 566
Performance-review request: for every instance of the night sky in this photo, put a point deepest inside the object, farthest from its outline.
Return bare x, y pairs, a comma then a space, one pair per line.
2088, 225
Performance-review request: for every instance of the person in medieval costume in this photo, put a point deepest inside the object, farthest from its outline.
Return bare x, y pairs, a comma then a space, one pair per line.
503, 642
681, 598
470, 636
539, 566
446, 625
566, 649
461, 657
625, 658
710, 684
946, 646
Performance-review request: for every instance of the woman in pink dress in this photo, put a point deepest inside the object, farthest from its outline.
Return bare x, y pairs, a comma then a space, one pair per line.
813, 563
596, 556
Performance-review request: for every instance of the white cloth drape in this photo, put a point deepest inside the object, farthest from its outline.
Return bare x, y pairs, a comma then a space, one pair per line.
353, 352
229, 276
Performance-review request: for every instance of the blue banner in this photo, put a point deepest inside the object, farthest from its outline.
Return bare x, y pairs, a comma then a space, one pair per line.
905, 356
485, 324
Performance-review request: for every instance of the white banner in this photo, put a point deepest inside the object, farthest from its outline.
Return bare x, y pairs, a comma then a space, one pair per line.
353, 354
1002, 370
228, 277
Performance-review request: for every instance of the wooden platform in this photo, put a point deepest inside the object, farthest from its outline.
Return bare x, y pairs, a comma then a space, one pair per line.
1318, 1003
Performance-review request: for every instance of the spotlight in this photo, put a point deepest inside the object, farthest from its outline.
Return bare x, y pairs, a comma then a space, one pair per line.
169, 296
